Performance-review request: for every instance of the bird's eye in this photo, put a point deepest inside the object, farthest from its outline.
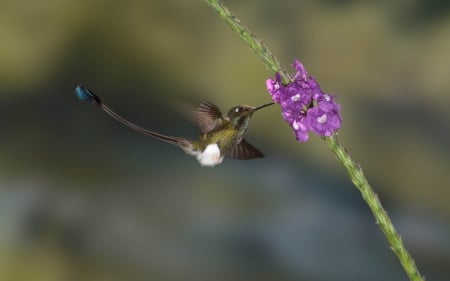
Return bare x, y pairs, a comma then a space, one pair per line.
238, 109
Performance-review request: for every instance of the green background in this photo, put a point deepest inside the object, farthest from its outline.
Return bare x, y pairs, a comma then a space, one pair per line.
83, 198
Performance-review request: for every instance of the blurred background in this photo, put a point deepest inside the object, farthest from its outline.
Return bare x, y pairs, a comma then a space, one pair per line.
84, 198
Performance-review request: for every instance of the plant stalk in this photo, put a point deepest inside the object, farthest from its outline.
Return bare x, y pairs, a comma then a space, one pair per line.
354, 170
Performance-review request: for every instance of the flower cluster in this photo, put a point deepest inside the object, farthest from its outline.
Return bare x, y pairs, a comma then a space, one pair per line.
304, 106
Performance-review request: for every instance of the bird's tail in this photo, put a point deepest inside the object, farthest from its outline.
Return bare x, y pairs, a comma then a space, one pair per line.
85, 94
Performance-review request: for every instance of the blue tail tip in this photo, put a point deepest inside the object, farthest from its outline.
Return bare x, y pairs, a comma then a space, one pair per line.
84, 93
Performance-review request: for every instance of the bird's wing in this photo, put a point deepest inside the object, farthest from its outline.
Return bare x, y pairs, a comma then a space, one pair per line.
244, 151
208, 116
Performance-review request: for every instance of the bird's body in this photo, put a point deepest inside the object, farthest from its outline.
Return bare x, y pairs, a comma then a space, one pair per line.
221, 135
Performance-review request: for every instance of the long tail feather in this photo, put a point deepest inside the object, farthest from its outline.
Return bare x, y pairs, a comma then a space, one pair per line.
85, 94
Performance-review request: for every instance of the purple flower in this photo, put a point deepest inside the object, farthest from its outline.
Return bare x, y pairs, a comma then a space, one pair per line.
324, 119
304, 106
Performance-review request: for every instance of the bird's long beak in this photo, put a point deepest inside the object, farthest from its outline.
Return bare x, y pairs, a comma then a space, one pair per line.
262, 106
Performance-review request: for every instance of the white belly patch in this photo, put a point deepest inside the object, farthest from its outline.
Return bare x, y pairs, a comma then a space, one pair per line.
210, 156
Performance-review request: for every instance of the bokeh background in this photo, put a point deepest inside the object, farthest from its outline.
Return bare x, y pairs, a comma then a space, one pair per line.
84, 198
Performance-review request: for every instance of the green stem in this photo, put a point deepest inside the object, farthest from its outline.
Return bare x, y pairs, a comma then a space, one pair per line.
382, 218
255, 44
354, 170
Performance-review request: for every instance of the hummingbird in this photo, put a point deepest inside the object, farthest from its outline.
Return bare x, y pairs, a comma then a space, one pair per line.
220, 135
